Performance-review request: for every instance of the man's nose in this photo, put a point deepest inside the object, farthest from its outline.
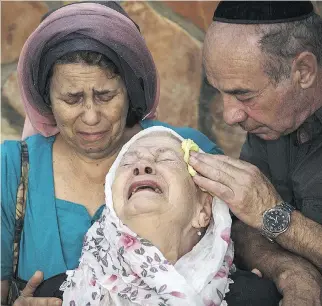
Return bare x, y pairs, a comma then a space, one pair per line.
233, 111
91, 114
143, 167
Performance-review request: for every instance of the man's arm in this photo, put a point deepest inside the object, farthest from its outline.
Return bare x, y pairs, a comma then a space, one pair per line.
295, 277
303, 237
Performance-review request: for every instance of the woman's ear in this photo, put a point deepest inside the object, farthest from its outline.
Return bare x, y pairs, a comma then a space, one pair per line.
305, 67
204, 211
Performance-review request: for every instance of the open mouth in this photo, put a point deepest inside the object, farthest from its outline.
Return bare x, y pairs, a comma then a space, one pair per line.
144, 185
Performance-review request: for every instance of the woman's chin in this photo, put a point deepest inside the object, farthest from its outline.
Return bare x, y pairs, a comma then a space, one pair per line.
145, 202
96, 150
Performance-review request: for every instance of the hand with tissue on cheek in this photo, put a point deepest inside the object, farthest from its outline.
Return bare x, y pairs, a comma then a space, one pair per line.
247, 191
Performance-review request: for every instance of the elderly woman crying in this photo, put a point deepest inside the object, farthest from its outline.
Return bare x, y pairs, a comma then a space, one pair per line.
160, 240
88, 84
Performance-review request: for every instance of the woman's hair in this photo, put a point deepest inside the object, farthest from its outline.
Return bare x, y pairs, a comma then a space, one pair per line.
90, 58
82, 57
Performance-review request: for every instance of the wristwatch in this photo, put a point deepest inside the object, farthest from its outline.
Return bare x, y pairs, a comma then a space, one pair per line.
276, 220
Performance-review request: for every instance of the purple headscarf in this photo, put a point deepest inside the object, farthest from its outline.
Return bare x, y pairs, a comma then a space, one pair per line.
85, 27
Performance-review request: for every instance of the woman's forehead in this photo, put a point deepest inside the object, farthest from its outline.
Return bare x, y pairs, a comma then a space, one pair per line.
157, 141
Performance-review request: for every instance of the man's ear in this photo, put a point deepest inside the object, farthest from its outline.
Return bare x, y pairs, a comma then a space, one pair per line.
204, 211
305, 69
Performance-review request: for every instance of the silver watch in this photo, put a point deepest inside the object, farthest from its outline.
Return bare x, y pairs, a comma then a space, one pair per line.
276, 220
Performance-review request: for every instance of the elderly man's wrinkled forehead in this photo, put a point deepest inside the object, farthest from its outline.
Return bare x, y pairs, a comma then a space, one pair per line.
157, 142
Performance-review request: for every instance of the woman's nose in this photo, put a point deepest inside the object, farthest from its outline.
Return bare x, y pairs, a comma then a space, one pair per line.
91, 116
143, 168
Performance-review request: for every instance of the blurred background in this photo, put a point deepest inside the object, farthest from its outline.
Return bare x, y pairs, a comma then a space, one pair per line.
174, 32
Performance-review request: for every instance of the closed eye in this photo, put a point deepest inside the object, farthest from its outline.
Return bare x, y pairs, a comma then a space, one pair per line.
127, 163
165, 160
167, 157
105, 98
244, 100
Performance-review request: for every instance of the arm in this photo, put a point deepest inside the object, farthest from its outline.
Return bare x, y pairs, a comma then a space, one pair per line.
302, 238
293, 275
10, 176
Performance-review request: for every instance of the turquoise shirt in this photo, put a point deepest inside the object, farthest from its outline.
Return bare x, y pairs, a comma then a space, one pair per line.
53, 228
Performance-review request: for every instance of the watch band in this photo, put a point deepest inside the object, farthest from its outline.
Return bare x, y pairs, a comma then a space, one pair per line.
288, 207
268, 235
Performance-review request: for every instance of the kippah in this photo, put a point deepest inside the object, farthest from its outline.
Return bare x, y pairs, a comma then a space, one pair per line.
262, 12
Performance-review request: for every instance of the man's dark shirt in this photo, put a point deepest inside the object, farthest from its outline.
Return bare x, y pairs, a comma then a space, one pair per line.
293, 164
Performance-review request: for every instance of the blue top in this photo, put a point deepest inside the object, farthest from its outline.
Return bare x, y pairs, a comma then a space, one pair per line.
53, 228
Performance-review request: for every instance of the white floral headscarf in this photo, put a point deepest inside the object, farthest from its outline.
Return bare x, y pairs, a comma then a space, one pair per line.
117, 267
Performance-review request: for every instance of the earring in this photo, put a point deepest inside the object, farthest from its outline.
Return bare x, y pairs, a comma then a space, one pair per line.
199, 233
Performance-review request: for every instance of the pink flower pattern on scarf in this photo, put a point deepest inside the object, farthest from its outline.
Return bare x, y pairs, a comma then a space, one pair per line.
129, 242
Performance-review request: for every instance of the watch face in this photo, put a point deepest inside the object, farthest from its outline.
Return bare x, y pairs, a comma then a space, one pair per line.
276, 220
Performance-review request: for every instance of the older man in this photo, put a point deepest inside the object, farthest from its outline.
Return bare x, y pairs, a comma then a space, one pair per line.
265, 59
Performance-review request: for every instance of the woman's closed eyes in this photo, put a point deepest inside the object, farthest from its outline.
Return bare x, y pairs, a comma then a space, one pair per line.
161, 156
98, 96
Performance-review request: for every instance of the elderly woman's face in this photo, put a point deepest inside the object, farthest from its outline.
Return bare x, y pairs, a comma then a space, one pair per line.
153, 179
90, 107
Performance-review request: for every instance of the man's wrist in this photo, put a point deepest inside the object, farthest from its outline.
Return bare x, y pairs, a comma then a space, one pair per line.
276, 220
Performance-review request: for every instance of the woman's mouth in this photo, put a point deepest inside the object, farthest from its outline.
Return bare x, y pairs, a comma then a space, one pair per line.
146, 185
91, 136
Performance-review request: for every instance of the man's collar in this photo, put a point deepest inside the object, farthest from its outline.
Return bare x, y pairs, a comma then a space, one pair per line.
318, 114
310, 128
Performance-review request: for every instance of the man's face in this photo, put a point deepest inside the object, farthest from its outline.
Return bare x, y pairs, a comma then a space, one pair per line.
235, 66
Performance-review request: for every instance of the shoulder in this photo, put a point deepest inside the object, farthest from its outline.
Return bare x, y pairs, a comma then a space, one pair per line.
11, 155
10, 149
186, 132
33, 142
39, 142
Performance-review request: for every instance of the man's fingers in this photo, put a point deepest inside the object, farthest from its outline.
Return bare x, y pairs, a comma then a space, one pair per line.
212, 172
32, 301
215, 188
221, 159
257, 272
32, 284
226, 170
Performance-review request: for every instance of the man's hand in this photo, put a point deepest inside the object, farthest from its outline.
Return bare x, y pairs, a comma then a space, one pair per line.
27, 299
247, 191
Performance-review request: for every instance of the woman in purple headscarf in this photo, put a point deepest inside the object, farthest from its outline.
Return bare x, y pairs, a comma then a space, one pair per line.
88, 84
